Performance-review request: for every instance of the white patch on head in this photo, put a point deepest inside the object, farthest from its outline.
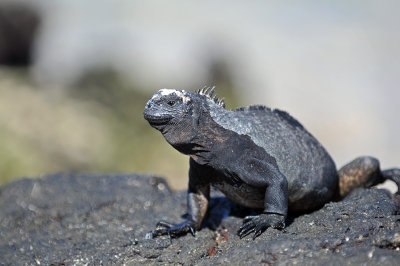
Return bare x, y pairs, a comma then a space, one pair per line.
181, 94
164, 92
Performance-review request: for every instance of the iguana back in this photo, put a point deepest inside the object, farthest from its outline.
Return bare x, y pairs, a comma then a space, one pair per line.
300, 157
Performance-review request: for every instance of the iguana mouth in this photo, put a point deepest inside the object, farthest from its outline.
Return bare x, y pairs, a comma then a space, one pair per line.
157, 120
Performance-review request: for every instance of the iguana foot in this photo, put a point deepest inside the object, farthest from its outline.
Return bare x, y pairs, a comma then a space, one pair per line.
259, 223
172, 230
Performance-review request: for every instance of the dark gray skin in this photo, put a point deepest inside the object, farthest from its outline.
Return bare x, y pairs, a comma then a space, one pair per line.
258, 157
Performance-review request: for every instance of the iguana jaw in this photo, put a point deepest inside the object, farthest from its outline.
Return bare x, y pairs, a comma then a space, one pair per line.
156, 120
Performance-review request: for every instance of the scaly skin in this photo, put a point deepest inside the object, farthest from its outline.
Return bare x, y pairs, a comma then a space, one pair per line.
258, 157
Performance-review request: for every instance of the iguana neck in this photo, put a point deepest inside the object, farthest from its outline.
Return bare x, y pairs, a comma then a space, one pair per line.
198, 141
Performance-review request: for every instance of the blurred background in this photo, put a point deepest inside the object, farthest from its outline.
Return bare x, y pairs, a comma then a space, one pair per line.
75, 76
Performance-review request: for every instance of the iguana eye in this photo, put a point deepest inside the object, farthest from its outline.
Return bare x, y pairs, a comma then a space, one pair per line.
171, 103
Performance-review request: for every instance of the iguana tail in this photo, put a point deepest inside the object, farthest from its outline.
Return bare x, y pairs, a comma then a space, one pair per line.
365, 172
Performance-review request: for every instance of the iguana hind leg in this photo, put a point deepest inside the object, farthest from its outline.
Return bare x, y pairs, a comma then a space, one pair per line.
364, 172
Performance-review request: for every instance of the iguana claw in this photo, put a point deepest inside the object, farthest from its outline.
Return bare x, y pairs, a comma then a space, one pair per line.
259, 223
172, 230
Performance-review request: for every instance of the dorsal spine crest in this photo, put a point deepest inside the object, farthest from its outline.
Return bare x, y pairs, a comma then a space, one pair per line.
208, 92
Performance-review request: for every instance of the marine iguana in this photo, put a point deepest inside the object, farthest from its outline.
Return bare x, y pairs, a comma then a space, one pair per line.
258, 157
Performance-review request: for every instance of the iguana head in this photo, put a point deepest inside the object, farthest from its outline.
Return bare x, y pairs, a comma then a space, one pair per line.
177, 113
167, 107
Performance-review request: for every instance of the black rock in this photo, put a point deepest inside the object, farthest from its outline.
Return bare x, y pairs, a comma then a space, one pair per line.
80, 219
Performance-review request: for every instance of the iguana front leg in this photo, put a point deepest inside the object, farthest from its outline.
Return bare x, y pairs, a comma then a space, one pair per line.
197, 203
263, 174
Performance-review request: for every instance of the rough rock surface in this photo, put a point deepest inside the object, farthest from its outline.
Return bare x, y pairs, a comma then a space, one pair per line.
82, 219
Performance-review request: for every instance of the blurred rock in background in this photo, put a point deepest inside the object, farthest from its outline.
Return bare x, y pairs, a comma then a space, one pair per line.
78, 106
18, 28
